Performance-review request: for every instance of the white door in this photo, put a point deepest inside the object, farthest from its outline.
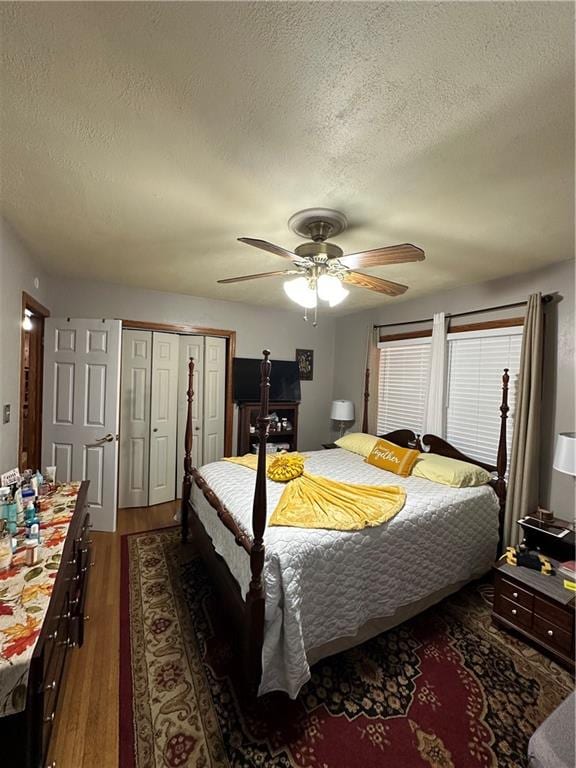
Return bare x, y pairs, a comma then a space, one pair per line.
163, 421
80, 409
190, 346
214, 398
135, 418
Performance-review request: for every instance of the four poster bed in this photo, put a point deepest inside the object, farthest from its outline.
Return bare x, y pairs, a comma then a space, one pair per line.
310, 593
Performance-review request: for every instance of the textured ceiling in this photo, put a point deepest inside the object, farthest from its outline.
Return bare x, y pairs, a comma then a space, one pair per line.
140, 139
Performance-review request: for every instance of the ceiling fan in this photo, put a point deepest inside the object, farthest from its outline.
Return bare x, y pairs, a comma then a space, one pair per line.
321, 267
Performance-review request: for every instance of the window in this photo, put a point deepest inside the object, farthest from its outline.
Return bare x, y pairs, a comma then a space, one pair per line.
403, 385
476, 361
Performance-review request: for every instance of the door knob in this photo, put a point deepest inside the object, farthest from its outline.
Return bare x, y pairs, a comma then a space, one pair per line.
109, 438
155, 429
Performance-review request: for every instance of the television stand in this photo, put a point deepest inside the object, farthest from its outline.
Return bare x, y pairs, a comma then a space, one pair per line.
283, 439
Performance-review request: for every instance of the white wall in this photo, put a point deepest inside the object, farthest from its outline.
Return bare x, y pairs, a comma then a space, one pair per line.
257, 328
557, 489
17, 273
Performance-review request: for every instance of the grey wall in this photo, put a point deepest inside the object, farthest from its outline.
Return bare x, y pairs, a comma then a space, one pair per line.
281, 331
557, 489
17, 273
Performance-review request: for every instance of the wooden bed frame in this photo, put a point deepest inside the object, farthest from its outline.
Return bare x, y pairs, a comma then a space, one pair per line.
247, 616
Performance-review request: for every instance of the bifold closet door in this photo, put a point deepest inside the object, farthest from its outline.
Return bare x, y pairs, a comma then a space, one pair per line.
190, 346
214, 398
163, 417
135, 418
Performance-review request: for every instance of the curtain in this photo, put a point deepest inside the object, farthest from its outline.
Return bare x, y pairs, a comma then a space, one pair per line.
523, 486
434, 414
373, 365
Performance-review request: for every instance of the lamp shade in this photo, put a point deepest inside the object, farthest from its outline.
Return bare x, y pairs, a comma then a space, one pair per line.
565, 453
342, 410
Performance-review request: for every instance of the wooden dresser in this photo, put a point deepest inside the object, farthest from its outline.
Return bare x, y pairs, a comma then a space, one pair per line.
26, 734
537, 607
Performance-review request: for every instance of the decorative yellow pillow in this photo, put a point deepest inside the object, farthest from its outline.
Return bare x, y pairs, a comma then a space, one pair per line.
441, 469
357, 442
285, 467
389, 456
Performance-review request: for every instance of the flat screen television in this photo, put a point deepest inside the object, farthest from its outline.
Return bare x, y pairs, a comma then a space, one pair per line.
284, 380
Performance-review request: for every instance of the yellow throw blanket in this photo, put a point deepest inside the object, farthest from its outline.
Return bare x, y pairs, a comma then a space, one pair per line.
310, 501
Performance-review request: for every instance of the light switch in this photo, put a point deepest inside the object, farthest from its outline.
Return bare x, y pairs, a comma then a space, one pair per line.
6, 414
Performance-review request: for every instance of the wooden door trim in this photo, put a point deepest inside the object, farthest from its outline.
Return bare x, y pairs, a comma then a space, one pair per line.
196, 330
29, 302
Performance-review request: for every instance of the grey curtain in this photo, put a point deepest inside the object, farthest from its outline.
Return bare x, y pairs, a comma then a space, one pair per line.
523, 482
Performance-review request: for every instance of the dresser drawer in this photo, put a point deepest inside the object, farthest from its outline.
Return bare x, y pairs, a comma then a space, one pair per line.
516, 594
555, 614
550, 634
513, 612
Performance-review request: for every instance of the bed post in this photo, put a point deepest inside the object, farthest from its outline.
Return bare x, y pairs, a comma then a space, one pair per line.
255, 599
366, 399
187, 480
502, 460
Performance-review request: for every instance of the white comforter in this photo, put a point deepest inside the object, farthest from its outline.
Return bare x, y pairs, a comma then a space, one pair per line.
322, 585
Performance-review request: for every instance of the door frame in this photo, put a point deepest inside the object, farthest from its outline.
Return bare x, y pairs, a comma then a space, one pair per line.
184, 329
41, 312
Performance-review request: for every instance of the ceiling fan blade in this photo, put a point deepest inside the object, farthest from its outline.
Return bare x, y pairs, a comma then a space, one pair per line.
374, 283
393, 254
261, 274
270, 247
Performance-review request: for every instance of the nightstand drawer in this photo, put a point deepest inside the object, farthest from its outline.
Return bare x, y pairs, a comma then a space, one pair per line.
512, 612
516, 594
561, 617
552, 635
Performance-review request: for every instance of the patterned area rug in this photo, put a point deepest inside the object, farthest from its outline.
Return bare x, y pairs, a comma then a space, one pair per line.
445, 690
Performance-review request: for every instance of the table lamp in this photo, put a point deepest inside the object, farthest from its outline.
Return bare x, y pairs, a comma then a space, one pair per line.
565, 453
342, 411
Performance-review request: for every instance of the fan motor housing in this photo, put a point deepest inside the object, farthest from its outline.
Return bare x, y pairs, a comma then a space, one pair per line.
318, 251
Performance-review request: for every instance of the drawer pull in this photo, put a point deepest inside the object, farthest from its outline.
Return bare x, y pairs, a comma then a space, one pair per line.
514, 611
50, 718
63, 643
53, 635
65, 615
550, 633
50, 687
515, 595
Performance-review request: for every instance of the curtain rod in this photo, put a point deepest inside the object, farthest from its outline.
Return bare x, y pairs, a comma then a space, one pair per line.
546, 299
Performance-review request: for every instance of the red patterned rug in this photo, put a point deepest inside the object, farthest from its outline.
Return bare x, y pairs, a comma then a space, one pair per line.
445, 690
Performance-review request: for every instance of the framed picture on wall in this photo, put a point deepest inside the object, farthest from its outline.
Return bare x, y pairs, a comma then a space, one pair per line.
305, 360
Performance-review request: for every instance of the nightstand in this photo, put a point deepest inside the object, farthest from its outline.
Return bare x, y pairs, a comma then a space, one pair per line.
328, 446
537, 607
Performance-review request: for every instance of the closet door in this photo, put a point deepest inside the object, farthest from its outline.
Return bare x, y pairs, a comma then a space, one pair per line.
214, 398
135, 418
163, 417
190, 346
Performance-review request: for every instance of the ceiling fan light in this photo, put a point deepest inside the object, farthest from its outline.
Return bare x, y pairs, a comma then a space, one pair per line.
328, 286
300, 292
339, 296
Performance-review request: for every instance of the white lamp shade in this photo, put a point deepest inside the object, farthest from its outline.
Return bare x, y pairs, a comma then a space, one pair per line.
299, 291
342, 410
565, 453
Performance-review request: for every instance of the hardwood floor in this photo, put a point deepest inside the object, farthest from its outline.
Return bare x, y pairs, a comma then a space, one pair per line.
86, 729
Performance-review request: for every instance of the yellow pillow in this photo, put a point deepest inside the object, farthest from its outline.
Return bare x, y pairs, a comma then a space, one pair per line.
357, 442
285, 467
441, 469
389, 456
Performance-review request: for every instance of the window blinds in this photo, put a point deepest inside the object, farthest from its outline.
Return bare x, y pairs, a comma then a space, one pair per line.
403, 386
475, 367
